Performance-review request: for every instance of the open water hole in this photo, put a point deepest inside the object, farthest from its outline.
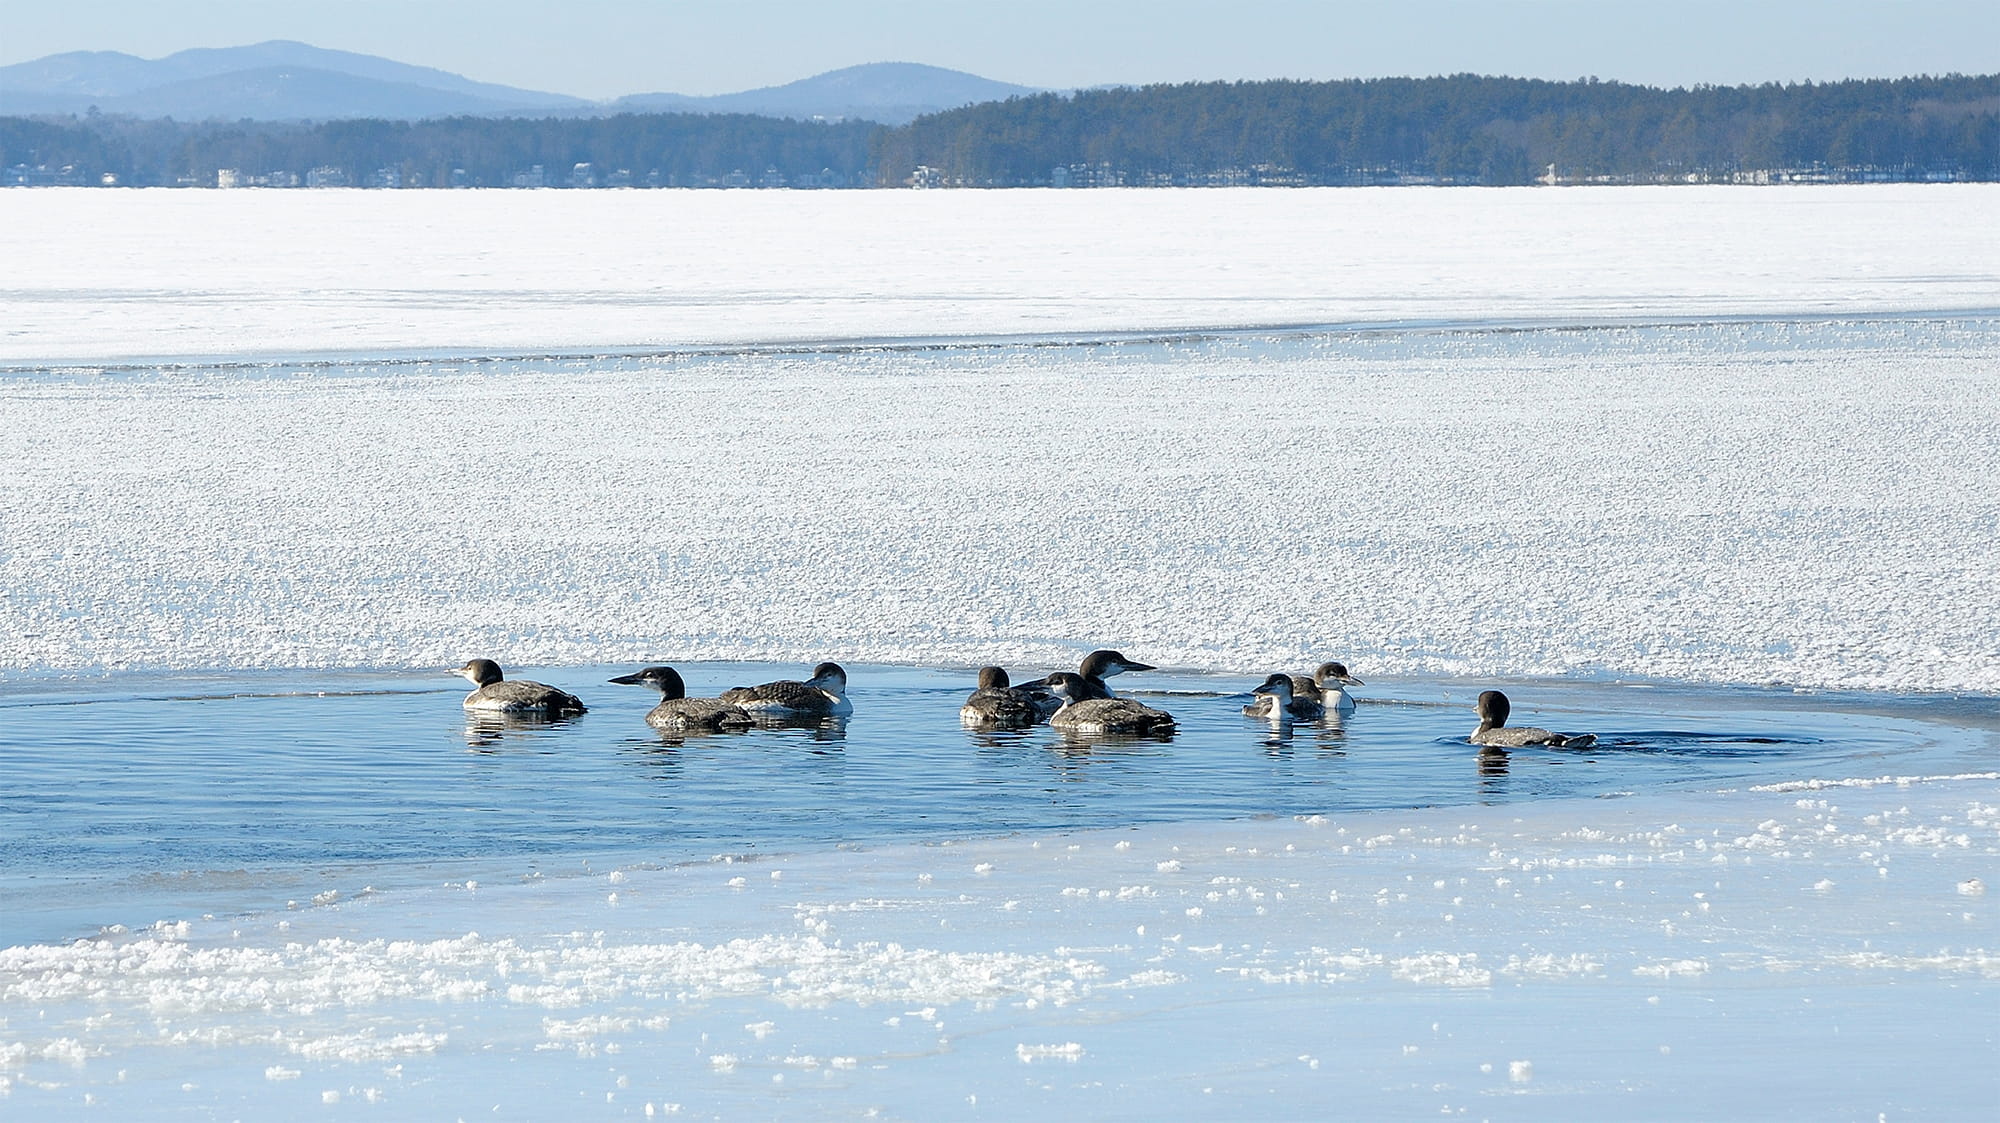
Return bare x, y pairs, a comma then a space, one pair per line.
130, 794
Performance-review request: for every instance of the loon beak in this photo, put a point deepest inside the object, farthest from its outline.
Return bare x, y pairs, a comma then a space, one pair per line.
628, 680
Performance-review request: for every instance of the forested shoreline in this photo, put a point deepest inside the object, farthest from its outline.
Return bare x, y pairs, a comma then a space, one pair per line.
1462, 129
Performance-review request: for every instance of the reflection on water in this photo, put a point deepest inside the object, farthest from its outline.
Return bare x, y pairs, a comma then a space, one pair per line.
485, 732
1277, 733
674, 738
816, 728
104, 781
1086, 740
656, 759
1492, 773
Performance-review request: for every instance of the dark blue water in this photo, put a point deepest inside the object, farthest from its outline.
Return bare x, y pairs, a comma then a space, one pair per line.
125, 792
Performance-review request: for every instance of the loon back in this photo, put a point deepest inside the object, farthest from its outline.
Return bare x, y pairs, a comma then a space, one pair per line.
1103, 715
1493, 729
698, 713
678, 711
822, 695
495, 694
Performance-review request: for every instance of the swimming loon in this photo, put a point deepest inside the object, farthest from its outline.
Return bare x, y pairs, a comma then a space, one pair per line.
678, 711
997, 704
822, 695
1274, 700
1095, 668
1316, 687
1494, 730
1102, 715
497, 695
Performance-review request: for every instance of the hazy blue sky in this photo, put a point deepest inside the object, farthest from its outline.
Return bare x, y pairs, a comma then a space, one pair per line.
603, 48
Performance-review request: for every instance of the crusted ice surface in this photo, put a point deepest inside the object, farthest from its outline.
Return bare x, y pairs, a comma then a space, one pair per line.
96, 275
1809, 503
1390, 964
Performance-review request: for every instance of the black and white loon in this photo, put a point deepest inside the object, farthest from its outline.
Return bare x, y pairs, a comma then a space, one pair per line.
822, 695
1275, 700
999, 705
678, 711
1102, 715
1327, 687
1494, 730
496, 694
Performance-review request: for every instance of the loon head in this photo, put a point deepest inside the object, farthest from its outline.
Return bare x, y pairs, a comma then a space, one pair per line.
1277, 686
1493, 709
1064, 685
1104, 664
829, 677
992, 678
666, 680
1335, 672
482, 672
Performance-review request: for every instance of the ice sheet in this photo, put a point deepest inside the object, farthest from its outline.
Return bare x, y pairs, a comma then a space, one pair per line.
1809, 503
97, 275
1809, 949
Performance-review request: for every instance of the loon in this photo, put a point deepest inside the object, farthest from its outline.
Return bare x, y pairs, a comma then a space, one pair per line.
678, 711
1095, 668
1494, 730
1276, 701
997, 704
1316, 687
822, 695
496, 695
1102, 715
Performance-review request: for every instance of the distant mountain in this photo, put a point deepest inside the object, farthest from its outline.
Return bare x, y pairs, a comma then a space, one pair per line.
109, 74
893, 93
291, 93
282, 80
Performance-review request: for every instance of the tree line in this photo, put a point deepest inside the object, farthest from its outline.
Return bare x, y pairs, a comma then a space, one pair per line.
651, 149
1458, 129
1463, 128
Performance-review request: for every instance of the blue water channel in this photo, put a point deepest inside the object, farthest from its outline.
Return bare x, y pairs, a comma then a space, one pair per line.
127, 794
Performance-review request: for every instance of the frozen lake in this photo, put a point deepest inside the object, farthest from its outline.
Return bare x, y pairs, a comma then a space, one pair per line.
1710, 472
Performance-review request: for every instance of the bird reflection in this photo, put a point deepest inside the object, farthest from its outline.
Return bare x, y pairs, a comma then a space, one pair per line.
1085, 741
670, 739
1277, 738
1330, 733
1493, 772
488, 732
1000, 737
661, 759
826, 729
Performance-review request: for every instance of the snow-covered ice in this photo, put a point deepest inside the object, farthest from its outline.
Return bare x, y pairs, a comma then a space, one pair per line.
97, 275
1811, 503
